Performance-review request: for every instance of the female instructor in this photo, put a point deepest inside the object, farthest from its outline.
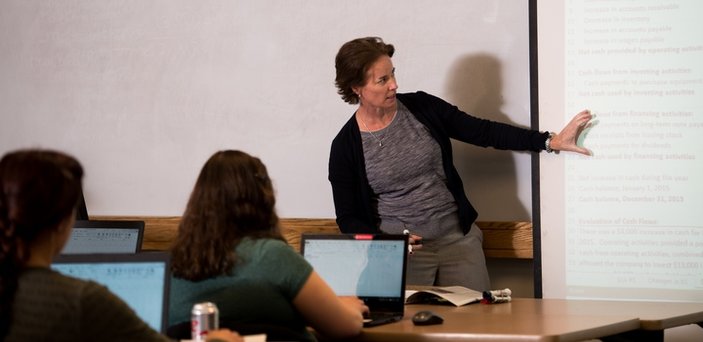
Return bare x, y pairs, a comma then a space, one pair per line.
392, 172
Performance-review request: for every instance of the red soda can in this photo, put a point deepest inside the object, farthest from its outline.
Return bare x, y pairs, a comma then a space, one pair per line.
204, 317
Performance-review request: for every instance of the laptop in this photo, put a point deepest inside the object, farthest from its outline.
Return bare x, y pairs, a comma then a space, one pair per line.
142, 280
105, 237
371, 267
82, 210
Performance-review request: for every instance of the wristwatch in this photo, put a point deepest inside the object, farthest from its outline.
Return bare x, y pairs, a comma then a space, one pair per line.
548, 142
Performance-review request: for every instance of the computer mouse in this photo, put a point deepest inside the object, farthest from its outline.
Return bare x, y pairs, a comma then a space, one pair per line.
426, 317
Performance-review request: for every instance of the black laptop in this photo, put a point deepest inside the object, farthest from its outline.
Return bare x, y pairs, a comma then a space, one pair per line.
105, 237
371, 267
142, 280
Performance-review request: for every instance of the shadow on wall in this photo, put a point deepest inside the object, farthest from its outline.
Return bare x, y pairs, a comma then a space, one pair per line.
489, 175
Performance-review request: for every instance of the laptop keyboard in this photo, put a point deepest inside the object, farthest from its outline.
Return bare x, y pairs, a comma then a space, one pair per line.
379, 318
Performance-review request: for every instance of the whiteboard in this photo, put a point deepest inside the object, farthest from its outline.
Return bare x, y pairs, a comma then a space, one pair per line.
143, 92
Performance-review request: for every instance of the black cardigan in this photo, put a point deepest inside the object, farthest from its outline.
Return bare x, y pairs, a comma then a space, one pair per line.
347, 170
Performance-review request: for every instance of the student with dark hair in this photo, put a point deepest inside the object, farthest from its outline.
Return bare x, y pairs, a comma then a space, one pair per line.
229, 251
39, 192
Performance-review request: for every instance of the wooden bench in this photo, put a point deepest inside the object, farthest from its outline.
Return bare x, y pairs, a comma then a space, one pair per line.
501, 239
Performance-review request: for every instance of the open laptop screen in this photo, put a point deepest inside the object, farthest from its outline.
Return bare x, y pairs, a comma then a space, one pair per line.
141, 280
105, 237
371, 267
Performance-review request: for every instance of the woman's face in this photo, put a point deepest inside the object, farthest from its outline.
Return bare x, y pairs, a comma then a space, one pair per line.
380, 88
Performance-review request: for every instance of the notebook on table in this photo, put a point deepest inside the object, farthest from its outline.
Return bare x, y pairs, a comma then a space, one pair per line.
105, 237
371, 267
141, 280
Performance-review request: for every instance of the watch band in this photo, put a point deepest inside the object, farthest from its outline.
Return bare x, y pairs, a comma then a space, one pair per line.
547, 142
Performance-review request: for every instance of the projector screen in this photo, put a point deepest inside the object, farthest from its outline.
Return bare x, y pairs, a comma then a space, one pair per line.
627, 222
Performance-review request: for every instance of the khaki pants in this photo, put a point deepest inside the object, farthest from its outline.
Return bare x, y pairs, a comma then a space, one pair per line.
454, 259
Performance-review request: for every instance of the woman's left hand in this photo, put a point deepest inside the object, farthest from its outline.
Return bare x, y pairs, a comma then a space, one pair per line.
566, 139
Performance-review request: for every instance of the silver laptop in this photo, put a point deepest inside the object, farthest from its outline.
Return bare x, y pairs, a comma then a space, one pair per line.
371, 267
105, 237
142, 280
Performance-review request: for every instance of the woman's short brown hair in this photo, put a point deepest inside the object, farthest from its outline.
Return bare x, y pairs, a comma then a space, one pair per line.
353, 60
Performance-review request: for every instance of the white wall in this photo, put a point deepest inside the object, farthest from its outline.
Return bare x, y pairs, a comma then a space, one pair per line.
143, 92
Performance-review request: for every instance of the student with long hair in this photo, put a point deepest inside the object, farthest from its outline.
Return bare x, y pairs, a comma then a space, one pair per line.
229, 251
39, 193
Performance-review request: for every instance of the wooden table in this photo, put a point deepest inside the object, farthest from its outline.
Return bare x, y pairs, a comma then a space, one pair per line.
521, 319
528, 319
654, 317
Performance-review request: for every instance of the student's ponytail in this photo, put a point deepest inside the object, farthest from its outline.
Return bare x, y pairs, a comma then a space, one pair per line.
38, 190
